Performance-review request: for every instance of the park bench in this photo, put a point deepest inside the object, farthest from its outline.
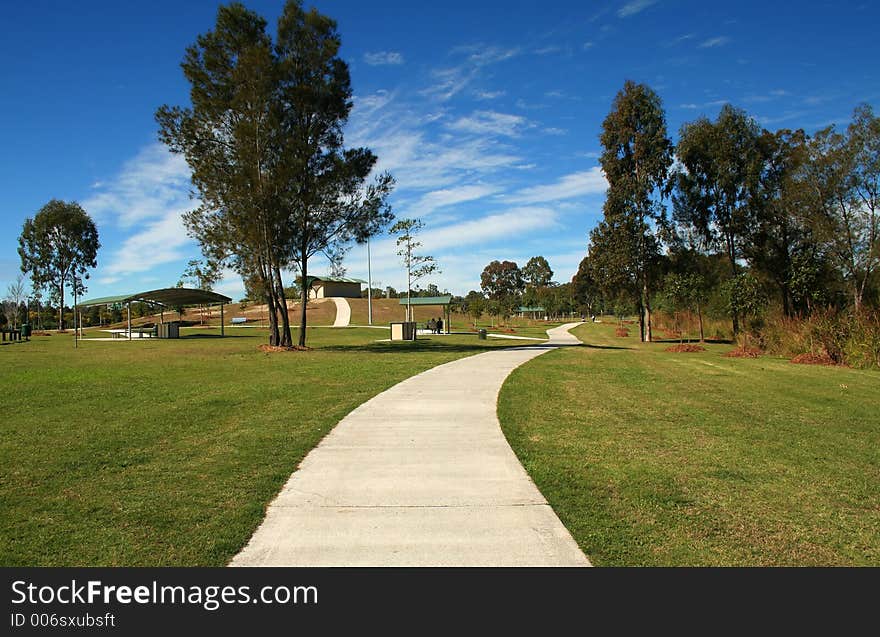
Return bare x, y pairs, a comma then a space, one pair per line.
14, 335
238, 320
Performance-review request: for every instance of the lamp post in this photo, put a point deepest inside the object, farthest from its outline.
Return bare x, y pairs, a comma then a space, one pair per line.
75, 325
369, 286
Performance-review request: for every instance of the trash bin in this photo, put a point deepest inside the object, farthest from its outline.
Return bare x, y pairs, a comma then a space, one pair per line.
481, 334
26, 331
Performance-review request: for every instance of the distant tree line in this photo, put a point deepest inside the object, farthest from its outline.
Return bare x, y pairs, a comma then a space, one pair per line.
505, 288
733, 218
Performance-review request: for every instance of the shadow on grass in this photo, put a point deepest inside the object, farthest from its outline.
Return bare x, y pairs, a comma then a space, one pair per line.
402, 347
694, 341
591, 346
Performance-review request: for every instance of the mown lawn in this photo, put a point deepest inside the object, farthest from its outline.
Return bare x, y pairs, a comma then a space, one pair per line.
655, 458
167, 452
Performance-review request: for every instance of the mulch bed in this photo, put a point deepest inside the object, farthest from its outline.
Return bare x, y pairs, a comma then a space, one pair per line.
621, 332
686, 347
269, 349
750, 352
816, 359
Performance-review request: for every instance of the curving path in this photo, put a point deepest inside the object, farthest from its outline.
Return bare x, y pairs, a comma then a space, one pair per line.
343, 312
421, 475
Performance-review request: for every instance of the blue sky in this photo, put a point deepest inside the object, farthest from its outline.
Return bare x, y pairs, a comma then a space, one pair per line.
487, 113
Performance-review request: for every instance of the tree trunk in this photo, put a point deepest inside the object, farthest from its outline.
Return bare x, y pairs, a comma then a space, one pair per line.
731, 254
61, 308
786, 300
303, 297
647, 305
641, 311
700, 318
285, 339
265, 275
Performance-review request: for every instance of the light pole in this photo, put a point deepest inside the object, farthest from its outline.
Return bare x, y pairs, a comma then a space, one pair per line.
369, 286
75, 325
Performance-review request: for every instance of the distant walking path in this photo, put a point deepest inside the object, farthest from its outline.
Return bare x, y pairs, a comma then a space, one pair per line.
343, 312
421, 475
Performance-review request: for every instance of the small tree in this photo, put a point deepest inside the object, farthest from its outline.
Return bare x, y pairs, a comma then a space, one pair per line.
202, 275
746, 299
57, 247
16, 296
493, 307
502, 282
476, 306
417, 266
686, 292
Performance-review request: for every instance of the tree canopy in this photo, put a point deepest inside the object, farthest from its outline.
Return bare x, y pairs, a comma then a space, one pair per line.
417, 265
636, 158
57, 247
263, 138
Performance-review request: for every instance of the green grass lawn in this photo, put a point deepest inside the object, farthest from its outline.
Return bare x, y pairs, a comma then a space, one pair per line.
163, 452
655, 458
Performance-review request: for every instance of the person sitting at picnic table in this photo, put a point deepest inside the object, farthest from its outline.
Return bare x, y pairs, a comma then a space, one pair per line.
432, 325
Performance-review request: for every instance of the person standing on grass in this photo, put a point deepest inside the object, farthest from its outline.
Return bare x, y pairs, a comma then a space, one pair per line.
439, 325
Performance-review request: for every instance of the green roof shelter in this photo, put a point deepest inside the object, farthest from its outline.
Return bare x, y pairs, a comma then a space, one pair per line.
443, 301
165, 298
325, 287
523, 310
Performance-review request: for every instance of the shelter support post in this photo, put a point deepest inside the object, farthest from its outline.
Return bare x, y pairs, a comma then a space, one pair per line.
128, 307
222, 328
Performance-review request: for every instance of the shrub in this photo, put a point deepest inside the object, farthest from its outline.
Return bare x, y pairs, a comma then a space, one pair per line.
842, 338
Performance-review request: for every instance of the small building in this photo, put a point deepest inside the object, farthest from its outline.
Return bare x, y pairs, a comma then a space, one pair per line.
535, 312
323, 287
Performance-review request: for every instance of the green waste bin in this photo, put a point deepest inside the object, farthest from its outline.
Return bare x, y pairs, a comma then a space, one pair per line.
26, 331
481, 335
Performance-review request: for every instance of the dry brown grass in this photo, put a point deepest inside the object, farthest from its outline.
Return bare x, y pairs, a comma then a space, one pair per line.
685, 347
809, 358
743, 352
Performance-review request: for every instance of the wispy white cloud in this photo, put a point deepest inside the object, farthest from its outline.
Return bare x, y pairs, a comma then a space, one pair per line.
547, 50
634, 7
785, 117
489, 95
490, 123
419, 158
383, 58
160, 241
449, 82
145, 200
588, 45
587, 182
514, 222
678, 40
444, 197
712, 43
555, 131
146, 187
712, 104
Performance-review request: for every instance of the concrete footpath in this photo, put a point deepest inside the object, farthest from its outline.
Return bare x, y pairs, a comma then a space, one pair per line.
420, 475
343, 312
